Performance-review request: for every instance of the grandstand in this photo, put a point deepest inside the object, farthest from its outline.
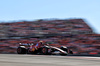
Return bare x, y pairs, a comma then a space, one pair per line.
74, 33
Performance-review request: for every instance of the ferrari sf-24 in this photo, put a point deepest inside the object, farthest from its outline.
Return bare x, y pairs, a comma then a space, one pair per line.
46, 49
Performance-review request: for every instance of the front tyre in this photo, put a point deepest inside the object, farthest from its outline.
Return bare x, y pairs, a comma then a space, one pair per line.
45, 51
63, 54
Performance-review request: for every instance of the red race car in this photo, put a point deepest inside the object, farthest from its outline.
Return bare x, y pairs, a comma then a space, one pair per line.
44, 49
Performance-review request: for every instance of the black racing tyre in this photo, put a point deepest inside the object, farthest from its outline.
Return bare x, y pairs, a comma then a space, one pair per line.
44, 51
67, 50
64, 49
21, 50
70, 52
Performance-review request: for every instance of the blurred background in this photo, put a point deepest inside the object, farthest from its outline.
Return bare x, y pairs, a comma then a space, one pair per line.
73, 23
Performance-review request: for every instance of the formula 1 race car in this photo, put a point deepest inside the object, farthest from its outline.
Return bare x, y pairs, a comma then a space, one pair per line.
43, 50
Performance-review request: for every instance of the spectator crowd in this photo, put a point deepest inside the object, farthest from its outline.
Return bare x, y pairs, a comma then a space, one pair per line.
76, 34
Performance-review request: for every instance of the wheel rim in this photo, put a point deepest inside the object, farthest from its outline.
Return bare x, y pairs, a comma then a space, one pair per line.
43, 50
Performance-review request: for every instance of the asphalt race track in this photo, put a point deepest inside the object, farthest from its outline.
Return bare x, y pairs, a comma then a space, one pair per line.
46, 60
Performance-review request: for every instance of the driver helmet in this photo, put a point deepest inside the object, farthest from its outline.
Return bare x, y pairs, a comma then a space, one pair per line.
41, 42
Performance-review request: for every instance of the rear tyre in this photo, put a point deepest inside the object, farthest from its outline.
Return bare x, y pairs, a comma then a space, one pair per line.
21, 50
